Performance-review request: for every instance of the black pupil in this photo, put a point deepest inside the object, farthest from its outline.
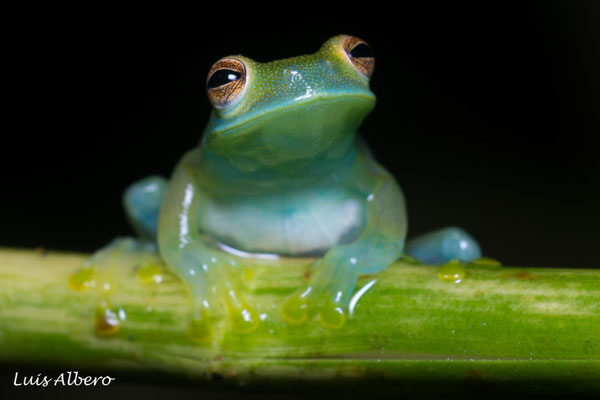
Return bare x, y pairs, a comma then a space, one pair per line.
361, 50
222, 77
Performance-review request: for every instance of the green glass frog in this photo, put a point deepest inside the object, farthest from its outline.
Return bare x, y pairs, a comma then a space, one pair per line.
281, 171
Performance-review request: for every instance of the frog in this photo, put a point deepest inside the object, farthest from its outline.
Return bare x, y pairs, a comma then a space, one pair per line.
282, 171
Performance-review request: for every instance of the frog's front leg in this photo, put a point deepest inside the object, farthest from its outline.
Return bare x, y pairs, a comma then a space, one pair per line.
206, 271
334, 276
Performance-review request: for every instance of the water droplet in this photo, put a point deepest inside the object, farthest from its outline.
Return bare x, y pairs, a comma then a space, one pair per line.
106, 321
452, 271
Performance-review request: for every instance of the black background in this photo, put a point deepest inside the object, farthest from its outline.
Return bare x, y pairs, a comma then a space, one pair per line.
487, 114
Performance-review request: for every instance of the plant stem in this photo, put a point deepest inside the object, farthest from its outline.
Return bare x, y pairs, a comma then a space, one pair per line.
520, 325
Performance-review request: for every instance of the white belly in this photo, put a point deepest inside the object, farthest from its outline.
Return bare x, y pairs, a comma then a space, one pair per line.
300, 225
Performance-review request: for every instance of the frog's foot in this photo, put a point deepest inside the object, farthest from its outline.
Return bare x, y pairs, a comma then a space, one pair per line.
100, 275
443, 245
242, 316
214, 288
327, 295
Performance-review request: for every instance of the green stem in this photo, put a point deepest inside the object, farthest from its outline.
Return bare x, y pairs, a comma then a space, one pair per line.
520, 325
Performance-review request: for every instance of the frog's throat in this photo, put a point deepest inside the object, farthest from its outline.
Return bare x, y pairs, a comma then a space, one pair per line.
293, 139
245, 176
233, 123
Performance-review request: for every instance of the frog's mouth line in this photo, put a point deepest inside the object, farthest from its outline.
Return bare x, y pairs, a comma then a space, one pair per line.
239, 124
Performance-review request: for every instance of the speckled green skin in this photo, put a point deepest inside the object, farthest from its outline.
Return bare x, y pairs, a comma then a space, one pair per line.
272, 169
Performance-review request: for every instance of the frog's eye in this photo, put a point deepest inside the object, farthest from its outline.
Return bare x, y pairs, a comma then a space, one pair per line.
360, 54
226, 82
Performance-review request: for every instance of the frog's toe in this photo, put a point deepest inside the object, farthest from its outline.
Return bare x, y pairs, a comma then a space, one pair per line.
295, 309
216, 293
326, 295
332, 314
443, 245
243, 317
101, 269
82, 279
99, 266
200, 328
331, 310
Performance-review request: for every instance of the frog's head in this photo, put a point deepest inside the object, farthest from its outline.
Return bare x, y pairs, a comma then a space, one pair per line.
288, 111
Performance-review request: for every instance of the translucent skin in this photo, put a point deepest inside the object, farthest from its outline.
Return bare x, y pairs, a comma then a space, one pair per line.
271, 170
280, 171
